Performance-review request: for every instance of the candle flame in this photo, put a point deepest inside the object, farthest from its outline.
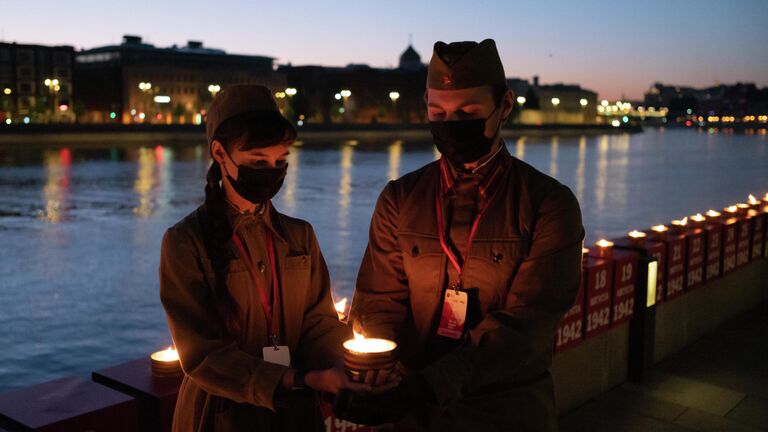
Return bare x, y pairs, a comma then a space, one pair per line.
681, 222
753, 200
636, 234
731, 209
659, 228
341, 305
698, 217
166, 355
742, 206
713, 213
765, 198
362, 344
603, 243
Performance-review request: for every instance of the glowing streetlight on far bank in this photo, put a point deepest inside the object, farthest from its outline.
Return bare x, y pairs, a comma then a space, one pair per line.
555, 102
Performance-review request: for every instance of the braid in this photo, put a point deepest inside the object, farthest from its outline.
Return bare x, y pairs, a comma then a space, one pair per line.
217, 233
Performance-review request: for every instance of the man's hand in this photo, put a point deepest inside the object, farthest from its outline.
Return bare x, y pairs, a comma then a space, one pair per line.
386, 404
333, 380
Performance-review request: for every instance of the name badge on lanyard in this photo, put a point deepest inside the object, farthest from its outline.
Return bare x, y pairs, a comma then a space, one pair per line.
455, 299
454, 314
272, 352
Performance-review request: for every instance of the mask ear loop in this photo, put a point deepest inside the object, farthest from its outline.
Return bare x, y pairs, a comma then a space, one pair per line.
233, 162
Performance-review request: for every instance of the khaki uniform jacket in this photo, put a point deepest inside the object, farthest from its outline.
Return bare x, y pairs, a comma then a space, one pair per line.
526, 262
227, 385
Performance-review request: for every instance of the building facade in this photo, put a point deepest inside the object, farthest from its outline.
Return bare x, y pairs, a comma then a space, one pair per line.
136, 82
358, 93
36, 83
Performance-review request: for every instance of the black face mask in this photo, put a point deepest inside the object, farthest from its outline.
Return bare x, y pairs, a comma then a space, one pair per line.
257, 184
462, 141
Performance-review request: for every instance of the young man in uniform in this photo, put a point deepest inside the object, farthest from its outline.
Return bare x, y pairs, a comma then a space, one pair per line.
472, 260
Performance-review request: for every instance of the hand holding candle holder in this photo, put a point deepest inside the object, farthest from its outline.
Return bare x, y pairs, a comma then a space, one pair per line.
410, 397
369, 360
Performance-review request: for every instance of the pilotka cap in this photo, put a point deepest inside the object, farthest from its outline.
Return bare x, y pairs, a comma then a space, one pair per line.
460, 65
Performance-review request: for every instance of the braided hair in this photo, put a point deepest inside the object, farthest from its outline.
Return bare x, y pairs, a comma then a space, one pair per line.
244, 132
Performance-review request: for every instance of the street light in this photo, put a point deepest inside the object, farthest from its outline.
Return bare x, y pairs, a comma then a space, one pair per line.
345, 93
145, 86
394, 96
214, 88
290, 91
583, 102
521, 100
555, 101
7, 91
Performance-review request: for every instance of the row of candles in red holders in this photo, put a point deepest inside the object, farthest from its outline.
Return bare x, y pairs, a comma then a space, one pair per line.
685, 255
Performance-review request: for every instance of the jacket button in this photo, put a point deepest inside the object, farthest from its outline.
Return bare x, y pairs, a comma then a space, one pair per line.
497, 258
415, 251
262, 266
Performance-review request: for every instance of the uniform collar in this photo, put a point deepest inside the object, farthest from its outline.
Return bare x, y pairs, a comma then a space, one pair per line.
265, 214
486, 173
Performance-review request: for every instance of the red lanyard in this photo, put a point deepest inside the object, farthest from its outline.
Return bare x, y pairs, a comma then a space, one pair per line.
475, 223
268, 309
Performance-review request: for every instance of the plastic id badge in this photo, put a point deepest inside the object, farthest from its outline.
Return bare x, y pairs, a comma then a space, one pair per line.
280, 354
454, 314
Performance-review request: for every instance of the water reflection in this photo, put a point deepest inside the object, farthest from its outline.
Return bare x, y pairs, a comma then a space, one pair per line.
291, 180
553, 150
345, 187
620, 165
58, 172
601, 174
580, 168
154, 179
520, 148
395, 153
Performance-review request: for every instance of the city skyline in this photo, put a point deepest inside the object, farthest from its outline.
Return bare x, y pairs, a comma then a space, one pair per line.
618, 52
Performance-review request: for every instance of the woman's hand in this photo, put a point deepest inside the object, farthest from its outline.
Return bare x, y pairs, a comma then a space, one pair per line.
333, 380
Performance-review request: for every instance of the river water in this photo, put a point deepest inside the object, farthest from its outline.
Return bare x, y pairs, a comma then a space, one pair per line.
81, 226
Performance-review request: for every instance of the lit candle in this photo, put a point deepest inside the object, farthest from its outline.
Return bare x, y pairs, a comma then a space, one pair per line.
743, 208
713, 214
659, 231
681, 224
369, 360
166, 363
636, 237
604, 248
341, 309
698, 219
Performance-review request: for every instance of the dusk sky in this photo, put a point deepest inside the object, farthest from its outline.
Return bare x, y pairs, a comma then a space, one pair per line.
615, 48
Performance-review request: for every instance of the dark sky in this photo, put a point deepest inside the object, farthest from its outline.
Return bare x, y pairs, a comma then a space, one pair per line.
617, 48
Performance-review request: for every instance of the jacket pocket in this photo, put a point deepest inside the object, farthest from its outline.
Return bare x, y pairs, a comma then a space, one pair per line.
297, 262
491, 267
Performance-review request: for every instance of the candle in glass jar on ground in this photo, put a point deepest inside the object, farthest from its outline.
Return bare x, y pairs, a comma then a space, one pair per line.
369, 360
604, 248
166, 363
